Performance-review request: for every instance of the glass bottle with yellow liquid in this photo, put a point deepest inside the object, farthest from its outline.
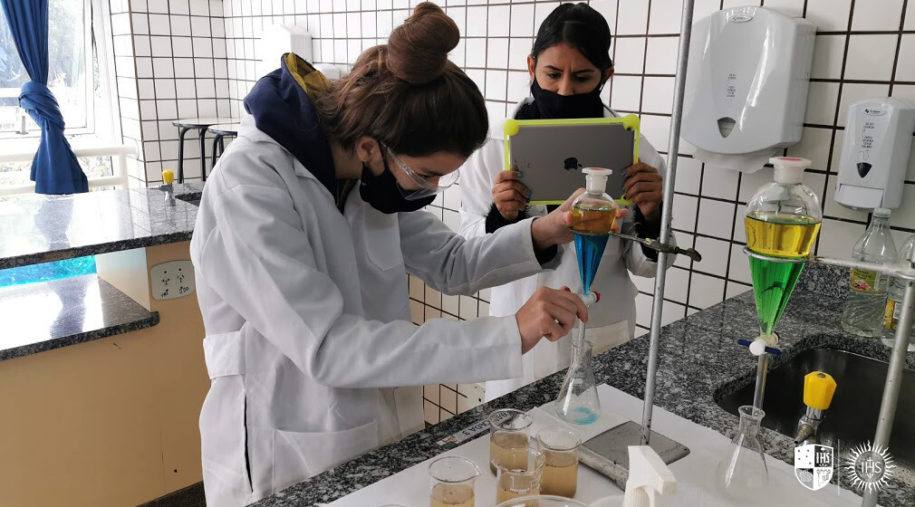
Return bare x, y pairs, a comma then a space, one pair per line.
593, 217
782, 223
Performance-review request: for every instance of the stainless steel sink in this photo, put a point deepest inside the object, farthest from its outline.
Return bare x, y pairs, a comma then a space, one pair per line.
852, 417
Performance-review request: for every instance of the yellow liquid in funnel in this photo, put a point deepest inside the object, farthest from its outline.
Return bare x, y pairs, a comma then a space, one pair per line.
593, 220
781, 235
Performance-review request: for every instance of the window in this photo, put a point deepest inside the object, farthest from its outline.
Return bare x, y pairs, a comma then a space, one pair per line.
72, 74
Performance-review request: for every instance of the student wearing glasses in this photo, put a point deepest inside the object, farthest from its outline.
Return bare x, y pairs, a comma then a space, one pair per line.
304, 237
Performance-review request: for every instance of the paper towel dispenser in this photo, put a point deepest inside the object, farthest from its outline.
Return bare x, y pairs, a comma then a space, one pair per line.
746, 84
875, 153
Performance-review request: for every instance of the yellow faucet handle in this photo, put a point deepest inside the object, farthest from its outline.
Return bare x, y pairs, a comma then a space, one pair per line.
168, 176
818, 390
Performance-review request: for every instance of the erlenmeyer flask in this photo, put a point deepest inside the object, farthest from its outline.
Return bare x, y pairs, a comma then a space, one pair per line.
742, 473
577, 402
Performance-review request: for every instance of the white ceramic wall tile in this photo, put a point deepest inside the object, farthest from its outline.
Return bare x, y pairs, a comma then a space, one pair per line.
676, 285
714, 256
542, 10
665, 16
705, 291
661, 55
720, 183
877, 15
684, 212
905, 71
497, 54
870, 57
821, 103
791, 8
689, 173
736, 289
657, 130
739, 267
814, 145
837, 238
715, 218
829, 15
626, 92
657, 94
629, 55
632, 17
828, 54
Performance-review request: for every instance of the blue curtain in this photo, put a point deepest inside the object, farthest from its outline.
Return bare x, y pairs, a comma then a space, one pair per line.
54, 169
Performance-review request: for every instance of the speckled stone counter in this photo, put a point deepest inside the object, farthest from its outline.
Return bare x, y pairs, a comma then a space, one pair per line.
699, 359
77, 310
40, 228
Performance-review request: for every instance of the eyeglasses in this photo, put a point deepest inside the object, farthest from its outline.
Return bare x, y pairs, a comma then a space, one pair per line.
429, 185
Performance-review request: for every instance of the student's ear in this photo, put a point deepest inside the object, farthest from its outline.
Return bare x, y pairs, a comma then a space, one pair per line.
531, 65
608, 73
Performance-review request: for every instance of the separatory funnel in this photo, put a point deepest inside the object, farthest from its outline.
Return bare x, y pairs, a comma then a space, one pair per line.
593, 216
782, 222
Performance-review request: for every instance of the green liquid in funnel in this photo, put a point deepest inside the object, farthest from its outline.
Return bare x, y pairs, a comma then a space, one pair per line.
589, 249
773, 283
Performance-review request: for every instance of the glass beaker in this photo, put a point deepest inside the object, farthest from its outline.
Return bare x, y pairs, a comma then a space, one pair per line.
508, 438
742, 474
578, 402
522, 479
452, 482
560, 461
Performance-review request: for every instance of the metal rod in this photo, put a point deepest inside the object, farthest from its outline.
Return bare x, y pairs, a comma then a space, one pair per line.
893, 379
686, 25
884, 269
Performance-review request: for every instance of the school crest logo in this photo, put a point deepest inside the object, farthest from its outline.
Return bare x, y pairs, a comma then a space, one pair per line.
814, 465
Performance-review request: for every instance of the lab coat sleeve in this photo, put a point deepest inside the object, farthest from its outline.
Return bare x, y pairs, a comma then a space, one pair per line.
454, 265
636, 261
477, 175
261, 262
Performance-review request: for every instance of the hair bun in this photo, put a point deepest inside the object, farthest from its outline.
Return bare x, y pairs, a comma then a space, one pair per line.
418, 49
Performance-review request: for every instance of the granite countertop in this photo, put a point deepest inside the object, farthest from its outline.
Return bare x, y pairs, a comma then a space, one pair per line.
40, 228
698, 359
65, 312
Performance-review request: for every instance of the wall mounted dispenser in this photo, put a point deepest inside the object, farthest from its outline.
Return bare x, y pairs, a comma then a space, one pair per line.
746, 85
875, 153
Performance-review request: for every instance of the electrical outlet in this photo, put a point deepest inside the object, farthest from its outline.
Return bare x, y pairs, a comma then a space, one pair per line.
172, 280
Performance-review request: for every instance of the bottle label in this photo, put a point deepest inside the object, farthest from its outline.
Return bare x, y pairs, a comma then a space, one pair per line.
891, 315
867, 281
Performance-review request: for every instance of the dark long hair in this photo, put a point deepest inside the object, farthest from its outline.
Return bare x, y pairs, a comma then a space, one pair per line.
579, 26
407, 94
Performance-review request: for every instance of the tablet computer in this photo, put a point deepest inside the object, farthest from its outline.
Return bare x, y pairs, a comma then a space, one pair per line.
551, 153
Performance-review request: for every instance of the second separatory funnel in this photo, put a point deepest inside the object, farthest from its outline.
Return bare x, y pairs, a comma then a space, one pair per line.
782, 223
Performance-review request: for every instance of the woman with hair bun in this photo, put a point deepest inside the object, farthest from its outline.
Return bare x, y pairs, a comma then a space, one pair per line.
569, 65
303, 240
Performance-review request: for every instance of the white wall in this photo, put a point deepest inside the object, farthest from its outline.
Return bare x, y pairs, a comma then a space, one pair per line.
863, 49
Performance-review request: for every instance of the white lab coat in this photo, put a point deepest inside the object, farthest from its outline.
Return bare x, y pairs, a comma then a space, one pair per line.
612, 319
306, 313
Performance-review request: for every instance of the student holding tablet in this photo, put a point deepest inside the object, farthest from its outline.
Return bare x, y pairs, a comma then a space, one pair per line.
569, 66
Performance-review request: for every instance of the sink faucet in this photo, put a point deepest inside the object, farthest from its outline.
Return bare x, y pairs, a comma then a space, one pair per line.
818, 390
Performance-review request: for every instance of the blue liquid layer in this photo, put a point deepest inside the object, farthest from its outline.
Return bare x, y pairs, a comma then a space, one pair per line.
48, 271
589, 249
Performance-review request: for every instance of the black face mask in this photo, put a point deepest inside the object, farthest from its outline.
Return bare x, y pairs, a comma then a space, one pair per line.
383, 192
553, 105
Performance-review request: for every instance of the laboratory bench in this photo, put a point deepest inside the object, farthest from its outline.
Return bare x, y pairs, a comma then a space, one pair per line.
102, 375
699, 362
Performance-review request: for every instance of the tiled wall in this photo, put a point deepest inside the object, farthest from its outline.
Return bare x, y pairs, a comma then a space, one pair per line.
863, 49
170, 62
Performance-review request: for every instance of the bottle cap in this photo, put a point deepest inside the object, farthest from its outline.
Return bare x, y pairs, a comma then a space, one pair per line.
168, 176
596, 179
882, 212
789, 170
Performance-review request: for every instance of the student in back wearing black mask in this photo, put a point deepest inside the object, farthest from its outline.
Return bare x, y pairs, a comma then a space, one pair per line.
569, 66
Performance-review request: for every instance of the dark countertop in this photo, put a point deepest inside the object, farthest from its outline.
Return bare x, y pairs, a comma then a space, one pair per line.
40, 228
698, 359
65, 312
